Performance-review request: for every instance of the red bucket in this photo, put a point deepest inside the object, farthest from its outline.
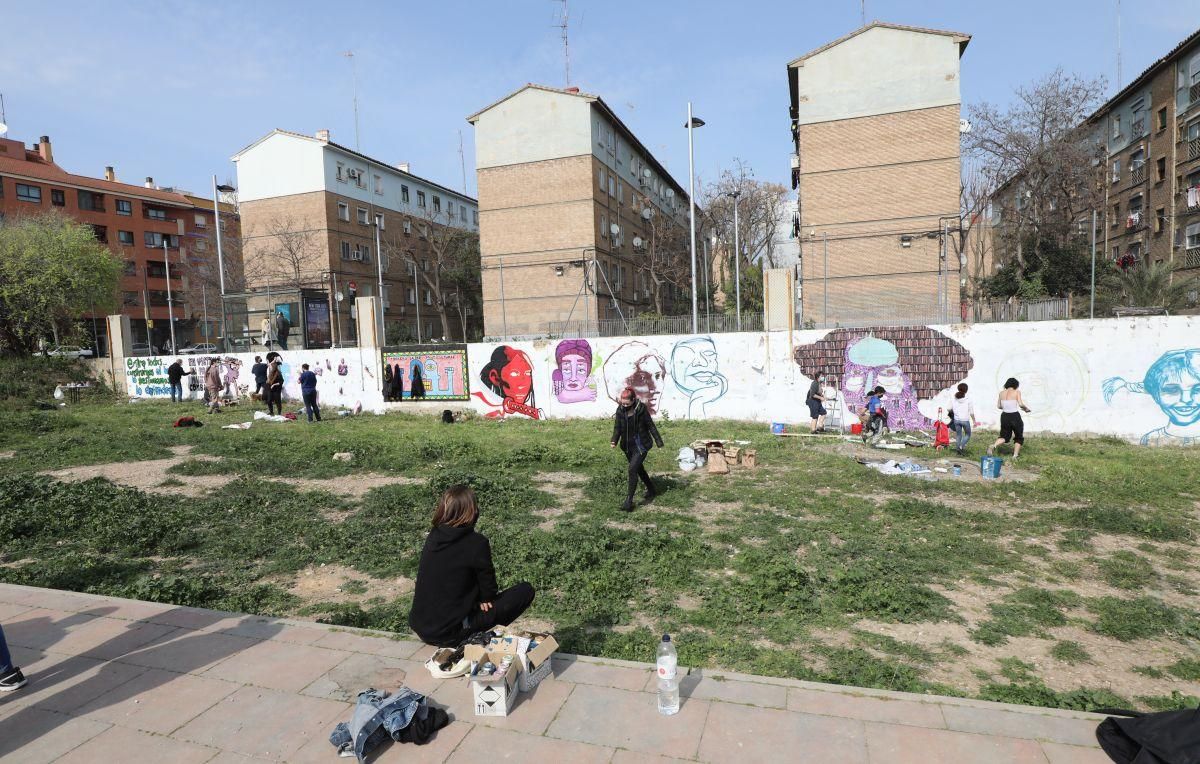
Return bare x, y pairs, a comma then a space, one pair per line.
856, 429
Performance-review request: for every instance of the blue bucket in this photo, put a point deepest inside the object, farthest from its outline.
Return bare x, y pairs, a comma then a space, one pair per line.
776, 428
989, 467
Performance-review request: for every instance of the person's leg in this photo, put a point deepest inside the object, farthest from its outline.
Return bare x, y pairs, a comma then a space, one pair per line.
5, 659
821, 420
506, 608
308, 404
636, 458
11, 677
645, 478
1018, 436
317, 405
964, 436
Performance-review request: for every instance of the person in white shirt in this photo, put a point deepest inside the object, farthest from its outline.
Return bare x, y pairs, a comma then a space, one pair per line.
1012, 427
963, 410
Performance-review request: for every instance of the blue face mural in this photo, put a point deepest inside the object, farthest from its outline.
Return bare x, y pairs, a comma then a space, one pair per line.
1174, 383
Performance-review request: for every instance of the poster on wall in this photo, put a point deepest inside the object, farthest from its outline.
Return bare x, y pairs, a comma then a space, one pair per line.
317, 331
443, 373
147, 377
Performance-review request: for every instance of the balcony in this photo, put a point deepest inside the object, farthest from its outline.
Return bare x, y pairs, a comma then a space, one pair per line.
1139, 128
1135, 222
1194, 146
1137, 174
1191, 258
1191, 198
1194, 92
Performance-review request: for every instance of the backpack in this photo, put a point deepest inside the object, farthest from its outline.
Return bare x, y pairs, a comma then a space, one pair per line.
1166, 737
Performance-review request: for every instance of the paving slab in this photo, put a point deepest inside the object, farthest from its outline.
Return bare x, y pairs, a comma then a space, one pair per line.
158, 701
568, 668
1057, 753
121, 744
715, 687
606, 716
865, 707
33, 736
277, 665
897, 744
1029, 725
742, 733
489, 744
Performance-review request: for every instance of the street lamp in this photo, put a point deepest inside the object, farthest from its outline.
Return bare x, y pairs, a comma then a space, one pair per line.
220, 254
693, 122
737, 258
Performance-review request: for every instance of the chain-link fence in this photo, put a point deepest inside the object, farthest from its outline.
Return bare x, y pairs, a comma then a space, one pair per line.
708, 324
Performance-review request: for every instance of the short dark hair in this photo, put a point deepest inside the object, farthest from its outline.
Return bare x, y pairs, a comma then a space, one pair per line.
258, 359
962, 390
304, 366
457, 507
1011, 384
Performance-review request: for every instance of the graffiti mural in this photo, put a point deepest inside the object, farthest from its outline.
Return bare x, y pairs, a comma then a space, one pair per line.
635, 364
443, 372
508, 376
694, 369
1054, 381
572, 376
1173, 381
147, 377
911, 363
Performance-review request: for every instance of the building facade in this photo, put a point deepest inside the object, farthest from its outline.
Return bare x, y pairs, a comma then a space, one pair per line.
875, 123
579, 222
135, 222
316, 216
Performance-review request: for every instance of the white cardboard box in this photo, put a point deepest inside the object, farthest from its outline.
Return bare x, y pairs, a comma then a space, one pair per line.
492, 695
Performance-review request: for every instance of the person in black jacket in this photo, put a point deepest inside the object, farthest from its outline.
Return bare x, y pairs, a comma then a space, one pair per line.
456, 593
633, 430
175, 375
259, 370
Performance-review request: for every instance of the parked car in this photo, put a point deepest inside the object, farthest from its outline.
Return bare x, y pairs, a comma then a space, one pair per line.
204, 348
141, 348
69, 351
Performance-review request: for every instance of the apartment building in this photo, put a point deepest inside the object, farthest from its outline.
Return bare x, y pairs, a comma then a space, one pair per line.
316, 215
876, 125
135, 221
579, 222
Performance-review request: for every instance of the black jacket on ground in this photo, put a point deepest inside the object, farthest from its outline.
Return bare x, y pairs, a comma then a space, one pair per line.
628, 428
455, 575
175, 373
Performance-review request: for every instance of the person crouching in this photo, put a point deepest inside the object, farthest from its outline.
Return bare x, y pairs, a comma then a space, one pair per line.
456, 593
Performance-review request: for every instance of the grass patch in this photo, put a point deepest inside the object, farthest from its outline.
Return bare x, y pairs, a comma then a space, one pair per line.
1126, 570
1070, 652
1025, 612
1130, 619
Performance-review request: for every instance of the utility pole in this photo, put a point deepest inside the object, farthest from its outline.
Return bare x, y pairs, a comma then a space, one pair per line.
564, 26
825, 277
737, 260
354, 73
170, 304
1092, 307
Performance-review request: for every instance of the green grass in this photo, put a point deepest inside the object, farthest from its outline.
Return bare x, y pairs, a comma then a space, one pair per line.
753, 571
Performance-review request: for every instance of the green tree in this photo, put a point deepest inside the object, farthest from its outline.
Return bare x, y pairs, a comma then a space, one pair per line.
1149, 285
52, 272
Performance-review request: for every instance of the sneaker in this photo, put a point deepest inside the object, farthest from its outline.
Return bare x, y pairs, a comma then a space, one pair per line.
627, 506
14, 680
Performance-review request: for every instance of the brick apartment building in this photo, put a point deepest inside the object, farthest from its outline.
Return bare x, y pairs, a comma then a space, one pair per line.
1146, 144
875, 123
310, 208
579, 222
134, 221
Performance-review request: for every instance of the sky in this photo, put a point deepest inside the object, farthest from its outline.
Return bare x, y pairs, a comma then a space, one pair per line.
173, 89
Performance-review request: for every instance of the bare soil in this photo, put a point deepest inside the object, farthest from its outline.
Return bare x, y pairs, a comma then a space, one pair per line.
567, 487
328, 583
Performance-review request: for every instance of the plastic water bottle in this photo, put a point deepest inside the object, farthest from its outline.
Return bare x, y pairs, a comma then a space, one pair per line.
668, 684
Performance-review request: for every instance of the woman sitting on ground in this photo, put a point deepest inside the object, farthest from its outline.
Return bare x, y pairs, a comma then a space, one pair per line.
456, 594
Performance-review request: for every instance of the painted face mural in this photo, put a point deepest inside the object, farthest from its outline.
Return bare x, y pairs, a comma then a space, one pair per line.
911, 363
1174, 383
572, 376
637, 365
509, 376
694, 367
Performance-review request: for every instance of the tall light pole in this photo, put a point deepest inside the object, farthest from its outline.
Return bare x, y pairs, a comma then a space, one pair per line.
220, 254
693, 122
379, 260
170, 304
737, 259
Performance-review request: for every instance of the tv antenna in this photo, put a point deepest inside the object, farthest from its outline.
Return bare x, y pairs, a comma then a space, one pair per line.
564, 18
1118, 87
3, 118
354, 74
862, 11
462, 160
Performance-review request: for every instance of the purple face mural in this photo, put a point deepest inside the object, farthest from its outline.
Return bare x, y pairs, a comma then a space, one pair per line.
572, 376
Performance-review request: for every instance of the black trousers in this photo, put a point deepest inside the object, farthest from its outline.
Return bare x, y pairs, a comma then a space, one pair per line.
506, 608
311, 406
275, 399
637, 470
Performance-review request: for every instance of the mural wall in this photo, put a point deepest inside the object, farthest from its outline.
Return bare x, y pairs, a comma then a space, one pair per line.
443, 373
1136, 378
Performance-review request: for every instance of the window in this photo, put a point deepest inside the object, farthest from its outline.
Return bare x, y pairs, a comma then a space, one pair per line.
428, 297
437, 203
200, 220
156, 213
1192, 236
345, 250
125, 207
620, 192
1160, 170
101, 233
475, 216
201, 245
421, 199
341, 172
343, 211
129, 298
152, 239
1116, 253
1160, 219
410, 296
362, 216
1137, 159
425, 265
450, 210
359, 180
601, 178
1116, 216
1162, 118
407, 227
125, 238
91, 201
58, 198
404, 194
379, 221
31, 194
612, 186
462, 212
363, 252
130, 267
410, 266
1116, 170
378, 184
1116, 126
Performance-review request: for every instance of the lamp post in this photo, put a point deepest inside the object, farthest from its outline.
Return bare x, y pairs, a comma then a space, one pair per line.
693, 122
220, 254
170, 304
737, 259
379, 261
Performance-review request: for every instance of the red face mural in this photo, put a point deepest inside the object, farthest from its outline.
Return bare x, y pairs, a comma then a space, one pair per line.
509, 375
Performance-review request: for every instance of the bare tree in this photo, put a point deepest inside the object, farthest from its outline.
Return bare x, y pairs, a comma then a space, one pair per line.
972, 242
1038, 153
667, 263
760, 209
286, 253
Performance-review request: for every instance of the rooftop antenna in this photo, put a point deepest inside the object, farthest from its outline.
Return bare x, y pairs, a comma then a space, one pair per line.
3, 118
564, 26
354, 73
1118, 84
862, 10
462, 160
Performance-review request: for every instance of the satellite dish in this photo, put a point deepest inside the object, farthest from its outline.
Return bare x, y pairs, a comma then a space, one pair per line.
614, 229
637, 241
646, 173
670, 193
3, 128
964, 126
647, 213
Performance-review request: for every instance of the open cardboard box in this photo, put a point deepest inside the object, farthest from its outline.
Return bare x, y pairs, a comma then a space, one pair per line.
493, 695
535, 663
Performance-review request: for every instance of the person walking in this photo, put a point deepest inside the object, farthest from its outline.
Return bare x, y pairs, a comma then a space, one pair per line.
259, 370
456, 593
1012, 427
816, 404
308, 391
265, 327
962, 410
282, 328
213, 385
11, 677
274, 383
175, 375
633, 431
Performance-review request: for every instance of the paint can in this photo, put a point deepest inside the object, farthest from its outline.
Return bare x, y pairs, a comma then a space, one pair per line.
989, 467
856, 428
957, 471
776, 428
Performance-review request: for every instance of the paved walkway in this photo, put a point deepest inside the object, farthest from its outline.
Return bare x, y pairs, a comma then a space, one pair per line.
115, 680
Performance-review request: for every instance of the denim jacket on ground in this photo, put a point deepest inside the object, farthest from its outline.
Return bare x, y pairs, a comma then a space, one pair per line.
376, 716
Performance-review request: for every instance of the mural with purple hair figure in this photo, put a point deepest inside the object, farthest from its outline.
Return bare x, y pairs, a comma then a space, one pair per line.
572, 376
911, 363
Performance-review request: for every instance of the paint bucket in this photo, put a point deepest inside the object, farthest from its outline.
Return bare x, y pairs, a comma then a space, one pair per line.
989, 467
776, 428
856, 429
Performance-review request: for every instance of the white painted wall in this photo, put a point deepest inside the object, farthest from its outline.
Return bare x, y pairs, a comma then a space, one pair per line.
280, 165
532, 126
878, 72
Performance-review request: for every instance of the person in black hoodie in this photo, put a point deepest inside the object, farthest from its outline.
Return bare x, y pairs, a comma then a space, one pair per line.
456, 593
633, 430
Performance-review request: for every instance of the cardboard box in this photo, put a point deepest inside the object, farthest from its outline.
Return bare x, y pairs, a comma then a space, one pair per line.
492, 695
733, 454
750, 458
535, 663
716, 461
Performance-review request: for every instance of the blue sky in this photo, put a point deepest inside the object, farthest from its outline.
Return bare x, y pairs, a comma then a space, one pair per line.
172, 90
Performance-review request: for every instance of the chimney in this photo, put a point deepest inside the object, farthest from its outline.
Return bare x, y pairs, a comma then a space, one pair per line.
404, 167
149, 182
572, 89
110, 173
45, 150
323, 135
